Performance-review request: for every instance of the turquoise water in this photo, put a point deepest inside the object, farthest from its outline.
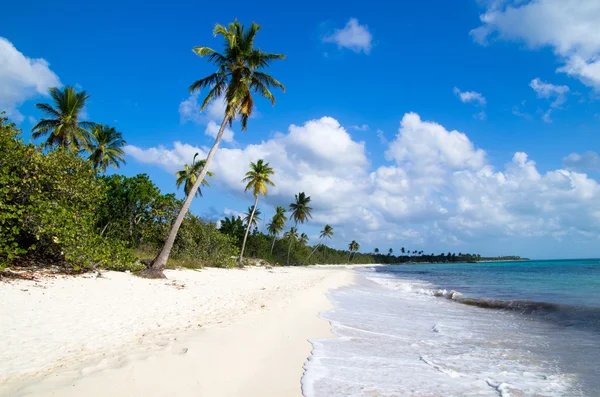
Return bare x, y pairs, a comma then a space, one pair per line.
508, 329
568, 282
564, 291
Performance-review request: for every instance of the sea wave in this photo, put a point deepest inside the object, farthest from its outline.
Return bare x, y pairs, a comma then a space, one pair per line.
563, 314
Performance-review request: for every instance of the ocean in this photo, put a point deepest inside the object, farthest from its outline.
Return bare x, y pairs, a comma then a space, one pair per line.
508, 329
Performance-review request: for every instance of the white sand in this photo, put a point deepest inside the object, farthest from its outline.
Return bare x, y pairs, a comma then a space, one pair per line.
209, 333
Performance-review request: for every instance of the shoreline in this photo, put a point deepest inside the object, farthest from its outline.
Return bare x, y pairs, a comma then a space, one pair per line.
253, 339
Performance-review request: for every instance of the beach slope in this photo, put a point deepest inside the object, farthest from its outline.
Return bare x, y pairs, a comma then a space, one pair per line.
209, 333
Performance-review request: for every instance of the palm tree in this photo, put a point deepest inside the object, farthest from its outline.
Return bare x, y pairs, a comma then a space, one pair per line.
63, 125
353, 246
376, 251
105, 145
257, 179
292, 234
249, 212
189, 174
237, 77
391, 250
327, 232
300, 212
402, 250
303, 239
277, 224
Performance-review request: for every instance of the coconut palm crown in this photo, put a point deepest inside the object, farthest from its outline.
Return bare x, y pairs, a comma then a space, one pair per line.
189, 174
105, 146
62, 122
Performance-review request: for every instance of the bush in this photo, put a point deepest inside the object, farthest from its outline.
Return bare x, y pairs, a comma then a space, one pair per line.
200, 244
47, 208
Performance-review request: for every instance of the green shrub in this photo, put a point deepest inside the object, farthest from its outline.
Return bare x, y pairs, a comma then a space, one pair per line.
200, 244
47, 208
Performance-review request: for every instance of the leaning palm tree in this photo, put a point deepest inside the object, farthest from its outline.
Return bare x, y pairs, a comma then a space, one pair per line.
105, 146
189, 175
327, 232
258, 178
300, 212
237, 78
63, 124
277, 224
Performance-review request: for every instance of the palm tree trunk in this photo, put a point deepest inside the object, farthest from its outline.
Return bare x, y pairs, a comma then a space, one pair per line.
156, 267
273, 245
349, 256
313, 251
287, 262
240, 264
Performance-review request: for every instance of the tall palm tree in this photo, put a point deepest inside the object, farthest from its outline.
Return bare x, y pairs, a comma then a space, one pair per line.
258, 178
63, 125
253, 212
390, 252
300, 212
376, 251
327, 232
105, 145
189, 175
277, 224
303, 239
237, 78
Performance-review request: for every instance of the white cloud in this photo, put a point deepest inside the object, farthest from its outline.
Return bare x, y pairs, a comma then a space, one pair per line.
22, 78
437, 187
469, 96
353, 36
550, 91
212, 129
363, 127
569, 27
588, 161
472, 97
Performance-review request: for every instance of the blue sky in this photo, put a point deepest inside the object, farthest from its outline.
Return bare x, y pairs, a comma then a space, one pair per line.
393, 82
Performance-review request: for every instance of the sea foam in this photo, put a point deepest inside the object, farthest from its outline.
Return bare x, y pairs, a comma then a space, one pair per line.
397, 338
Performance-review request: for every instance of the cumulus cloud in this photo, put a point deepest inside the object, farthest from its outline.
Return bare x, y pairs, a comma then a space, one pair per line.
569, 27
353, 36
550, 91
437, 186
472, 97
22, 78
588, 161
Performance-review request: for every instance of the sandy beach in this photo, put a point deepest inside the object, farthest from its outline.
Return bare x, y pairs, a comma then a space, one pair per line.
200, 333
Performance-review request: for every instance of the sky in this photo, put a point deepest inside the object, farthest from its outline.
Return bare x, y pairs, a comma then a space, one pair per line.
441, 126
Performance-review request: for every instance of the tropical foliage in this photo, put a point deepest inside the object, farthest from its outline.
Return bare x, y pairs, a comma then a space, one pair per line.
105, 147
48, 205
189, 174
62, 123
